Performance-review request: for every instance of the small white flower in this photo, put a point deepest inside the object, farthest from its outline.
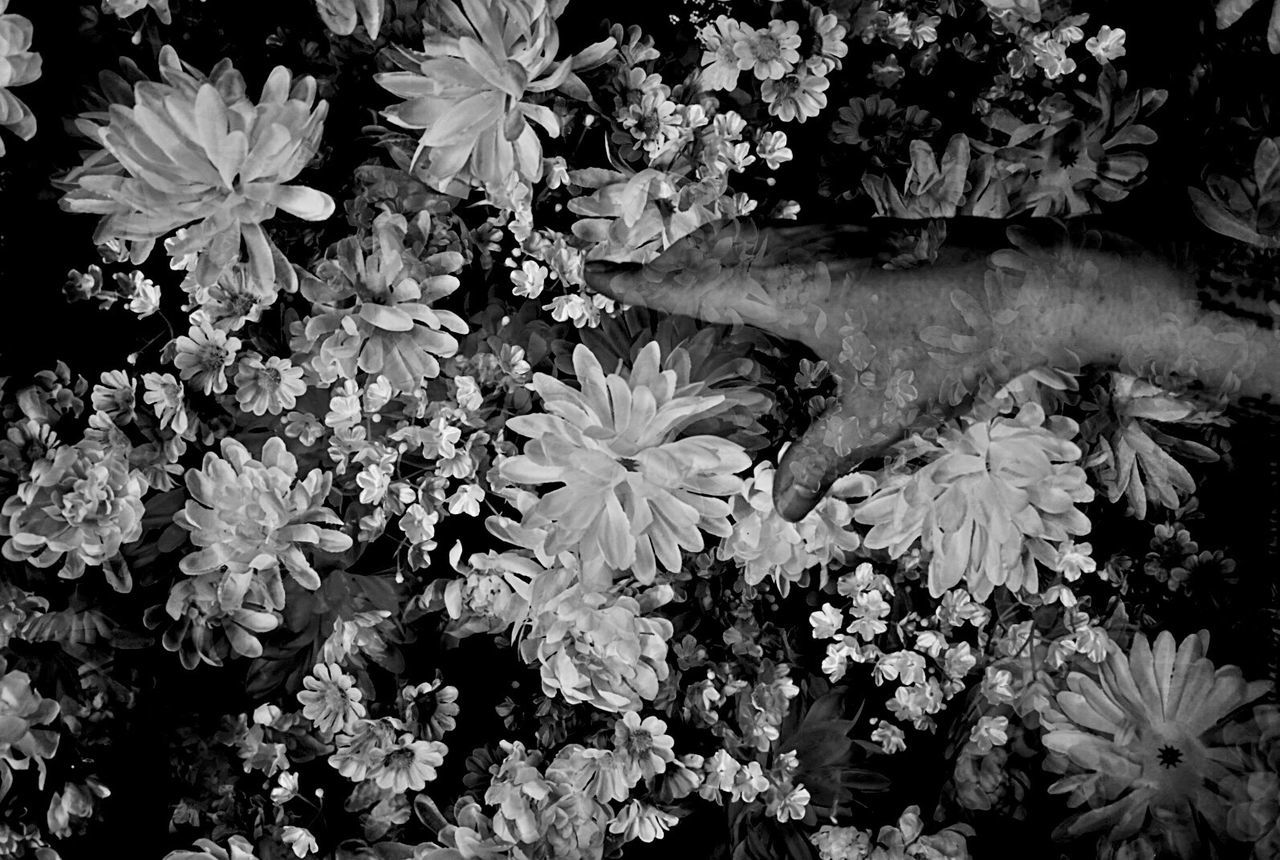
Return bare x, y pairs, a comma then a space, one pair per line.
990, 732
300, 840
529, 280
1108, 45
826, 622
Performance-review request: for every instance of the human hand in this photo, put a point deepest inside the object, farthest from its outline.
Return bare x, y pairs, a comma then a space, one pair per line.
910, 348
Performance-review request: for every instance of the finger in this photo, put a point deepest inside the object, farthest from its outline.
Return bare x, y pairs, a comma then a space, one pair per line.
842, 438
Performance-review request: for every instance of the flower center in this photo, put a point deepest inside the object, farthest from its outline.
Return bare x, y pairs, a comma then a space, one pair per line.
768, 49
1169, 756
639, 742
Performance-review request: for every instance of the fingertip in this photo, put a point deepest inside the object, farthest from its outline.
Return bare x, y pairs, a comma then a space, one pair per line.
605, 276
795, 502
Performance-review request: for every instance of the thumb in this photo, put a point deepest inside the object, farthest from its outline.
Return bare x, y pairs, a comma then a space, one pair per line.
857, 428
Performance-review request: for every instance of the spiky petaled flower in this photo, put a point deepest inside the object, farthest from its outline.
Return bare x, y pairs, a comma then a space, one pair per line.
250, 516
633, 495
373, 309
197, 152
593, 646
18, 66
340, 15
998, 495
1144, 743
81, 504
466, 89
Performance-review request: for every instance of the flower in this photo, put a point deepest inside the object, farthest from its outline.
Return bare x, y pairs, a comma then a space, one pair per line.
773, 150
770, 52
273, 386
241, 849
720, 67
433, 706
202, 357
642, 821
127, 8
795, 97
81, 504
1000, 493
114, 396
340, 15
300, 840
466, 89
644, 746
593, 646
18, 66
22, 711
197, 151
408, 765
331, 699
767, 546
654, 122
1146, 740
632, 495
827, 46
529, 279
164, 394
250, 516
373, 311
864, 120
1108, 45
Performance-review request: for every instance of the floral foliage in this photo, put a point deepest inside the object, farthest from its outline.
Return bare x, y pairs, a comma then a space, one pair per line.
411, 545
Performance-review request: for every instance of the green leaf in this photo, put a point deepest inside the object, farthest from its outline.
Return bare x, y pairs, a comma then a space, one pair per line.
1217, 219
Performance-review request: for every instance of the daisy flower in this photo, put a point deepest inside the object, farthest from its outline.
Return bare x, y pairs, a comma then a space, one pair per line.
827, 46
644, 745
795, 97
1144, 743
654, 122
331, 699
632, 495
433, 706
114, 396
720, 67
408, 765
769, 52
271, 386
202, 357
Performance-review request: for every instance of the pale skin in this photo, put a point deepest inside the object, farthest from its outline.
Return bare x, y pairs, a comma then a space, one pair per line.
909, 347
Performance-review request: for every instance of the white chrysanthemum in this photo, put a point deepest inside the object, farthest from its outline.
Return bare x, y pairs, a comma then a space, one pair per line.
466, 88
81, 504
18, 66
766, 545
595, 647
632, 494
197, 150
250, 516
1144, 741
999, 494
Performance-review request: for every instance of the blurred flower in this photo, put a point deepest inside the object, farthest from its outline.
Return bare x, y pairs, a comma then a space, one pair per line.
466, 89
1108, 45
18, 66
272, 386
126, 8
22, 711
197, 151
81, 504
202, 357
331, 699
797, 96
340, 15
1145, 741
999, 495
373, 310
632, 497
250, 516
